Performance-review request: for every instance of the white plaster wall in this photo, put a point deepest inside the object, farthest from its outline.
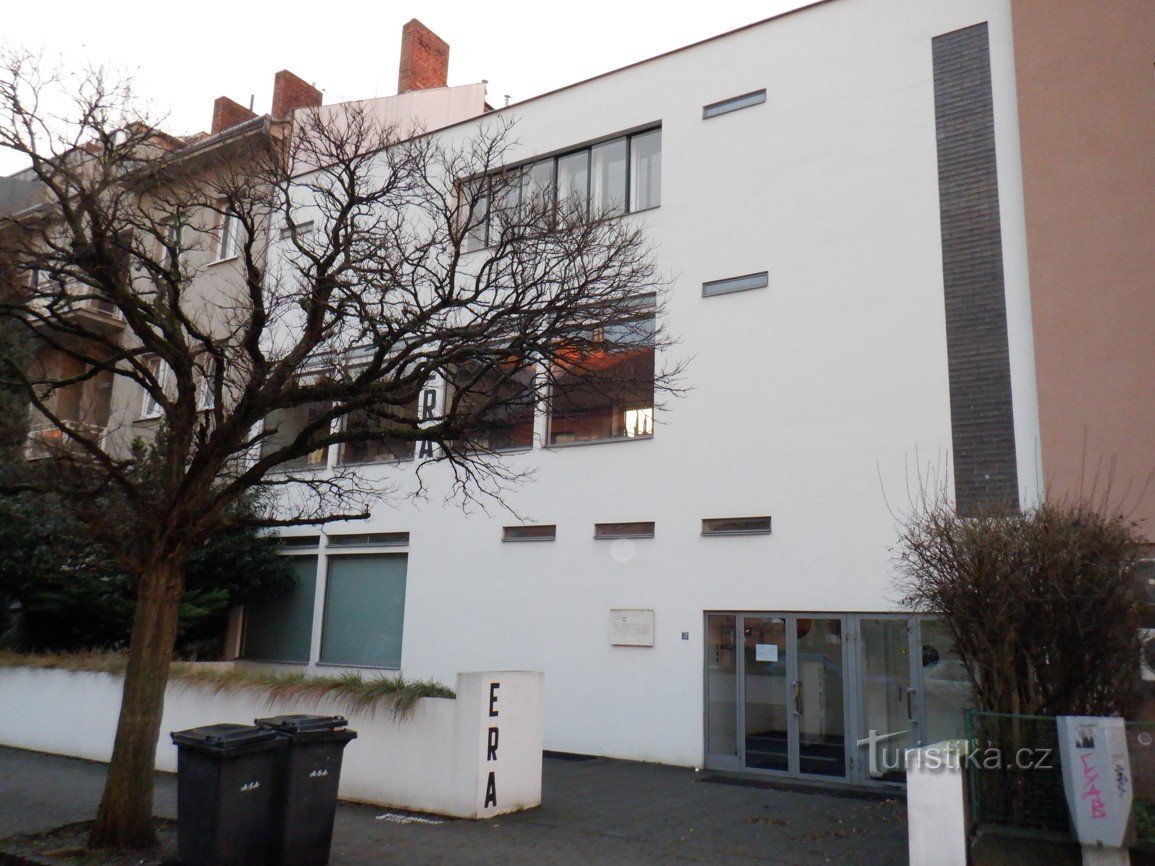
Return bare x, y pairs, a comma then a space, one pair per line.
820, 400
428, 762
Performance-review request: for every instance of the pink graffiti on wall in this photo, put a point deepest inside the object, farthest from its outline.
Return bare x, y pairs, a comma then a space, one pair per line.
1090, 789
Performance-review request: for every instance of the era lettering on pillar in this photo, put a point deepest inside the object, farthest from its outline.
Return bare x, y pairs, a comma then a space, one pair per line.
491, 748
428, 411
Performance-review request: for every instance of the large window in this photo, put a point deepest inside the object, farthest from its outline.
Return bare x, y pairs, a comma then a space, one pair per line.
496, 407
617, 176
285, 425
607, 392
380, 446
280, 629
364, 610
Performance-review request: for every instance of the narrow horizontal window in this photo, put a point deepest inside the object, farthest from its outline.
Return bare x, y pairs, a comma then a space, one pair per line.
370, 539
300, 540
736, 284
735, 525
529, 533
734, 103
642, 529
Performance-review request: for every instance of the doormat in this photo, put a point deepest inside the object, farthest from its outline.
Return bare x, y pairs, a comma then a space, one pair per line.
851, 793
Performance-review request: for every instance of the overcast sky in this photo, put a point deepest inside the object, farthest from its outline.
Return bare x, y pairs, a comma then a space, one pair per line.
185, 55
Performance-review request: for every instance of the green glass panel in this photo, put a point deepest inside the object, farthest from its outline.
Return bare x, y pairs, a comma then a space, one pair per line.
281, 628
364, 611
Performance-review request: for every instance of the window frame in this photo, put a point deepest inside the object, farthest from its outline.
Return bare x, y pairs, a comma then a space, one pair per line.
484, 237
647, 310
150, 407
229, 230
734, 103
731, 285
709, 522
413, 444
325, 645
525, 533
607, 532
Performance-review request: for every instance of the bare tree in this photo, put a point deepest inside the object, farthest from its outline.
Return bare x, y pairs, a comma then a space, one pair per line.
1042, 604
345, 308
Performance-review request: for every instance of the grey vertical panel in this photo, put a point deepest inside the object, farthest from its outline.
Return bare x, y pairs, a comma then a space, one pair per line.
364, 610
982, 420
280, 629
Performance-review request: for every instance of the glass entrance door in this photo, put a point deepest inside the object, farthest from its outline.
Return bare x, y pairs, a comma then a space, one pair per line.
828, 696
818, 696
768, 689
912, 691
889, 717
793, 695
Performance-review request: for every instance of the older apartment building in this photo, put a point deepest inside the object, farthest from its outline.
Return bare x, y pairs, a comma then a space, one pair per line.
906, 242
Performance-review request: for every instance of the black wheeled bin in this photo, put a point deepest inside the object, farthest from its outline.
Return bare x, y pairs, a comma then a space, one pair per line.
309, 772
225, 790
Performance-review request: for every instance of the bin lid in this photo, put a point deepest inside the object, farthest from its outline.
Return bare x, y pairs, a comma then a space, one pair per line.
303, 723
223, 737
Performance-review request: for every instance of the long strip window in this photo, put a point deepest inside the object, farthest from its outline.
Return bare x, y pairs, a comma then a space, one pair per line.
613, 177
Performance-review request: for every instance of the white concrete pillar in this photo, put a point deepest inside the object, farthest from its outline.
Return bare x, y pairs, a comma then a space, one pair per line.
935, 808
500, 727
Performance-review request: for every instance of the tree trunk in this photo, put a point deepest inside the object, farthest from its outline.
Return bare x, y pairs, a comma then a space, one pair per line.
124, 819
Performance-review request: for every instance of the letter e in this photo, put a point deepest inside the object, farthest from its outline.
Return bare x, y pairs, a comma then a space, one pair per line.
493, 687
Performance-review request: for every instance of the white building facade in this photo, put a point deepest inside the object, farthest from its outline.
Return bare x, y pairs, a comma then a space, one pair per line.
717, 586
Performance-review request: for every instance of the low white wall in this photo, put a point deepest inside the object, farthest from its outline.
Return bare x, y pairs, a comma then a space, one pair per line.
438, 760
935, 809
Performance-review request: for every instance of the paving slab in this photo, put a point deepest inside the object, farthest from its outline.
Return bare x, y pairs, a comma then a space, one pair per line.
593, 812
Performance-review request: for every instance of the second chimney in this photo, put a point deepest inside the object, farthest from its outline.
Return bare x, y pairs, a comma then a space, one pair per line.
227, 114
424, 59
290, 92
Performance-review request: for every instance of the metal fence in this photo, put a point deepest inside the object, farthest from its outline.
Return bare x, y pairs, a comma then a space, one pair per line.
1015, 780
1013, 773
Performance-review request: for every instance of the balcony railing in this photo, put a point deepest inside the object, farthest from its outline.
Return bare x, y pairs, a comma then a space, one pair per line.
47, 441
96, 310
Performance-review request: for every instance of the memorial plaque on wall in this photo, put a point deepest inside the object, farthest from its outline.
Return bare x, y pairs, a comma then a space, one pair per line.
631, 627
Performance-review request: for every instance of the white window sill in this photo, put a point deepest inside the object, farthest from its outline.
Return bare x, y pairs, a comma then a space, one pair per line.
341, 464
231, 258
580, 442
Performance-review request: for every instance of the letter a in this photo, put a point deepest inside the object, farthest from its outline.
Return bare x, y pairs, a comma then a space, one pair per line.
490, 791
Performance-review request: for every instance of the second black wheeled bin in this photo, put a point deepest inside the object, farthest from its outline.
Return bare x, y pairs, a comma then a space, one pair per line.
308, 775
225, 789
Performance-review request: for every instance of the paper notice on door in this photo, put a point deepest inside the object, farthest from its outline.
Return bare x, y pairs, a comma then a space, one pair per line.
765, 652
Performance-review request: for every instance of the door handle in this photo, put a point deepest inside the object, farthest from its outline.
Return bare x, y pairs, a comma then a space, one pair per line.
910, 713
797, 698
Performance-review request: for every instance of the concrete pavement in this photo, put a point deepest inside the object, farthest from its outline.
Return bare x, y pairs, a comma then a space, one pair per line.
595, 811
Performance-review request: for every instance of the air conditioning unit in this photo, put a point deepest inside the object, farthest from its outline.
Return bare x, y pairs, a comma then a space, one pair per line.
1147, 654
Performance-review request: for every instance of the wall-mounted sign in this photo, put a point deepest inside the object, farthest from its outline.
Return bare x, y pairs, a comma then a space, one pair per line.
765, 652
1096, 777
631, 627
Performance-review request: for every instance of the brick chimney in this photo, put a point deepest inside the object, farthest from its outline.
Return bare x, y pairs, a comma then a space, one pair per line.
424, 59
227, 114
290, 92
